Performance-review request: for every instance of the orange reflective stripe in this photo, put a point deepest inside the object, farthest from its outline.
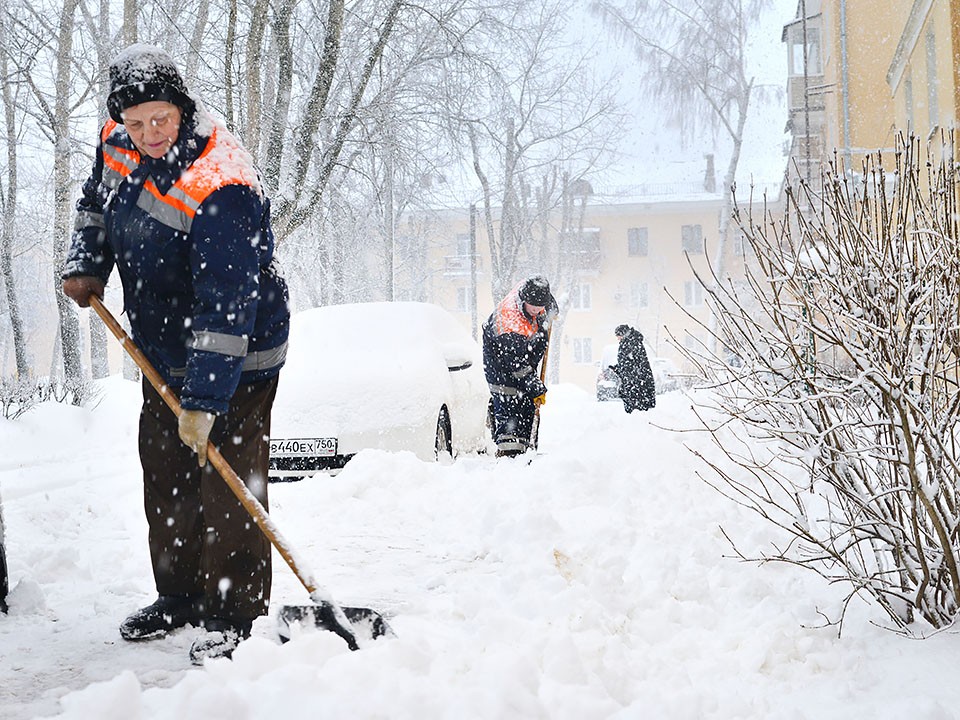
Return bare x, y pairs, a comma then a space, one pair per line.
109, 150
111, 162
108, 127
168, 199
205, 175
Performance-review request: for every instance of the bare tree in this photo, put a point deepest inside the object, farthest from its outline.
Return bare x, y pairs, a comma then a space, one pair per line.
9, 204
56, 112
128, 30
531, 111
694, 67
842, 362
47, 66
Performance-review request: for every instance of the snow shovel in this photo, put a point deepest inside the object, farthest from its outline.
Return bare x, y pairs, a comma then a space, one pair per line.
535, 432
350, 623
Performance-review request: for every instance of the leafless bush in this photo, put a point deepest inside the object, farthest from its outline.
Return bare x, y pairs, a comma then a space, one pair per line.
18, 395
840, 357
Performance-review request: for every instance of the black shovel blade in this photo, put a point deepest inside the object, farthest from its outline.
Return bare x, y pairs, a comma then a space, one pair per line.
365, 624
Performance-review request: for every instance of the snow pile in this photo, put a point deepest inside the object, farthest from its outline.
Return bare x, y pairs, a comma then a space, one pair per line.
594, 582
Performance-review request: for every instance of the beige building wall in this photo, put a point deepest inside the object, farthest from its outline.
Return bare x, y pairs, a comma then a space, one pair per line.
640, 275
887, 68
922, 70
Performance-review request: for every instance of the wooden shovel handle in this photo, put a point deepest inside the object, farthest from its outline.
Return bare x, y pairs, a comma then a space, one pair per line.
252, 505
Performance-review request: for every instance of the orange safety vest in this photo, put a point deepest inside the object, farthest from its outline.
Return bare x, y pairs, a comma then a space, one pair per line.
510, 318
223, 162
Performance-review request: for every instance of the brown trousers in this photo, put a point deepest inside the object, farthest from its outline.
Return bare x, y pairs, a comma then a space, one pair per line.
202, 540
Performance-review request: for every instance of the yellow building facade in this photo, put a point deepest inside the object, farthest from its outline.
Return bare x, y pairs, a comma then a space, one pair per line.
636, 265
862, 72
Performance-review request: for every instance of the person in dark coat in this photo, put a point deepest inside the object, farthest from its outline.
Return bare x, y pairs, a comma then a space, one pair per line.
633, 368
175, 205
514, 342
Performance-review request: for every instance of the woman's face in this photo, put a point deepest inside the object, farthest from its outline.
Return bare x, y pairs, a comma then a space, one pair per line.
153, 126
534, 310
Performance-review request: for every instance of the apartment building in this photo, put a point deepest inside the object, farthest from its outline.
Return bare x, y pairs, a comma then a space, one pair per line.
861, 72
636, 263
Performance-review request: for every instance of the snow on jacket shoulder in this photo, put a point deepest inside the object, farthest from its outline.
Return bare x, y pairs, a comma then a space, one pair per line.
191, 240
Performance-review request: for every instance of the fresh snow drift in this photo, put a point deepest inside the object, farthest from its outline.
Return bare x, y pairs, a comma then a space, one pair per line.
594, 582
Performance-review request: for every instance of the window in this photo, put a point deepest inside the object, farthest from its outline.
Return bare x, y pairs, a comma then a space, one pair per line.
692, 236
582, 351
580, 297
639, 295
813, 51
463, 243
692, 293
637, 241
463, 299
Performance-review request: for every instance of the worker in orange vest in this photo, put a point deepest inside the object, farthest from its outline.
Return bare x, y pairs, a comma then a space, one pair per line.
514, 342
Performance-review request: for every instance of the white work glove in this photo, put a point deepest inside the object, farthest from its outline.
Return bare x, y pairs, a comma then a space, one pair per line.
195, 427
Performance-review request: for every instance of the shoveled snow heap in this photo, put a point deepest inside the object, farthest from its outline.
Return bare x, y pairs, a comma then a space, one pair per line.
594, 582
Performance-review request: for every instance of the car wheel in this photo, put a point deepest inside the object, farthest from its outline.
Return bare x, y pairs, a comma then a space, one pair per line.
444, 442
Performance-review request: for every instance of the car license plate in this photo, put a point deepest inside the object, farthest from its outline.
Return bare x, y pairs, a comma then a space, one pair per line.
303, 447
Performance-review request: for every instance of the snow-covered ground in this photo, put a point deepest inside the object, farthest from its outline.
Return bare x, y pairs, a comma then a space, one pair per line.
594, 582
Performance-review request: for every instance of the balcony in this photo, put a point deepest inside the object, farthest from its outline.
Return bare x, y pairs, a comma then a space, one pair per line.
814, 92
585, 260
454, 265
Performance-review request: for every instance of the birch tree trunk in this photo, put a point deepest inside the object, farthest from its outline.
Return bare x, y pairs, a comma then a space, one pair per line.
281, 112
228, 52
62, 196
129, 30
9, 215
196, 42
253, 61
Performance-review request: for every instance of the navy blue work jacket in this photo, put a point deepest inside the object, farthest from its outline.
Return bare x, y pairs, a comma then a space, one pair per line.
190, 237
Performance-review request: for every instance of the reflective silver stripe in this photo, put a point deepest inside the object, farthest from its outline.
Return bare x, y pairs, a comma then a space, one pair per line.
522, 372
265, 359
233, 345
88, 219
504, 390
164, 213
179, 195
111, 178
119, 157
257, 360
509, 442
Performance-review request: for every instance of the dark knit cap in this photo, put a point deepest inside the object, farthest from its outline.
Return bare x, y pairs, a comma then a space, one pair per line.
622, 330
536, 291
142, 73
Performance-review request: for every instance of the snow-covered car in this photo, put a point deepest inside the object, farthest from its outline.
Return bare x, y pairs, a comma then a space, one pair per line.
608, 382
389, 375
665, 374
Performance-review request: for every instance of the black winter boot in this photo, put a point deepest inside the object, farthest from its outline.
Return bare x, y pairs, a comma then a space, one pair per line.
220, 639
166, 613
